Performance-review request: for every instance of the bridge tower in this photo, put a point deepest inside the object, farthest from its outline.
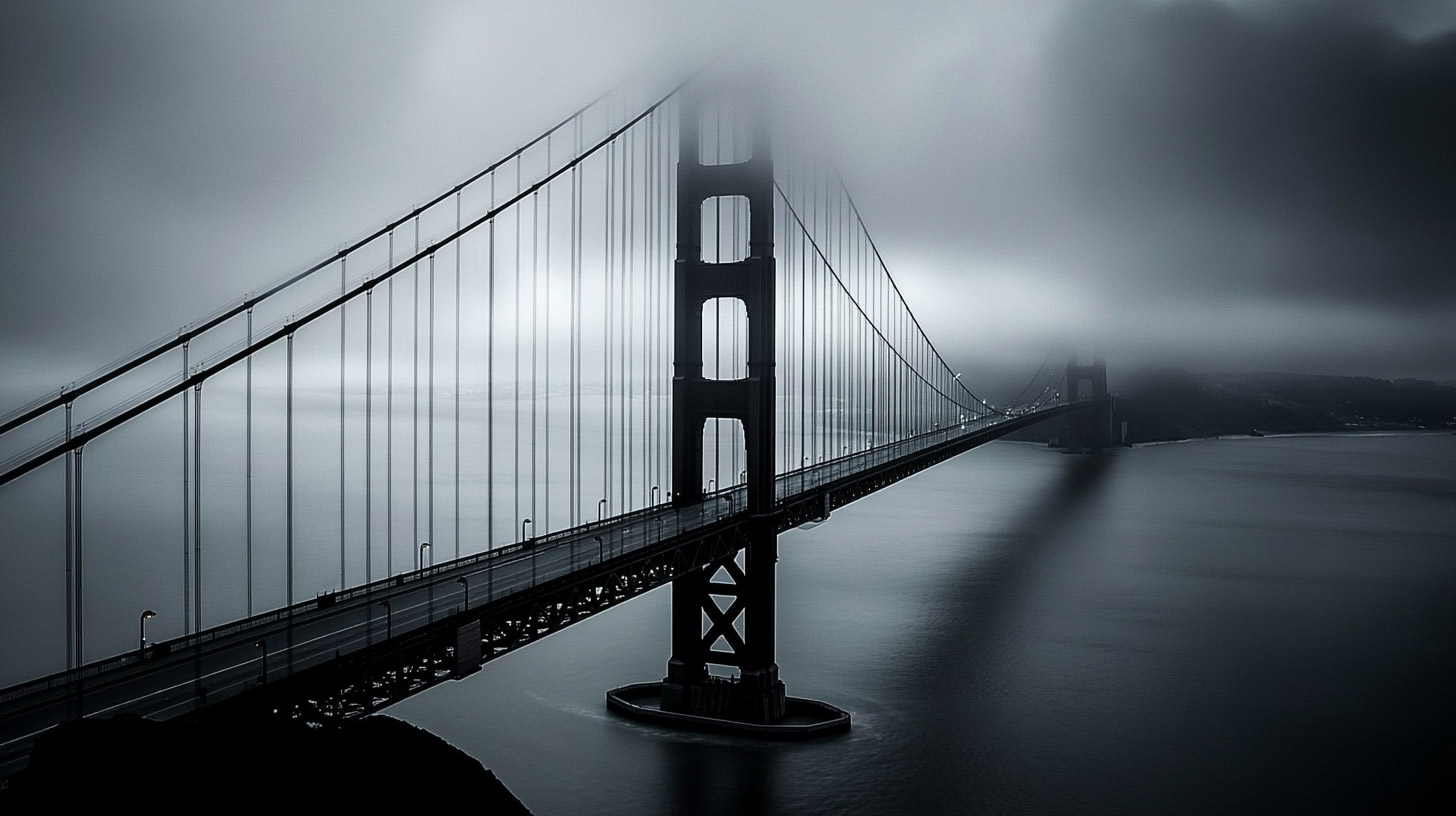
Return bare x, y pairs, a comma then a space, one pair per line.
1089, 431
698, 621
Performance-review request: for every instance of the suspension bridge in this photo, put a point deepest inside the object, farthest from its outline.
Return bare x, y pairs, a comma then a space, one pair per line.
630, 353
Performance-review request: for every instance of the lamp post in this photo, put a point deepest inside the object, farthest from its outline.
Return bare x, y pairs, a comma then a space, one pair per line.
262, 644
388, 620
654, 495
712, 485
142, 634
424, 545
601, 508
524, 522
465, 582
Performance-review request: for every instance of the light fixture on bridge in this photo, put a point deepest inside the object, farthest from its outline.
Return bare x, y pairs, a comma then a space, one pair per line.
524, 523
424, 545
142, 634
262, 645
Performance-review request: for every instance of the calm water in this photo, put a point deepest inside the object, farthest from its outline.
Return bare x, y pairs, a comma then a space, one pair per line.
1262, 625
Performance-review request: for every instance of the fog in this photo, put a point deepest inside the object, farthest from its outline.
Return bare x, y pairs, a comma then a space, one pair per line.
1230, 185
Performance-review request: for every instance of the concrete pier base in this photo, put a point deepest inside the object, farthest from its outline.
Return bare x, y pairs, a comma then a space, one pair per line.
802, 718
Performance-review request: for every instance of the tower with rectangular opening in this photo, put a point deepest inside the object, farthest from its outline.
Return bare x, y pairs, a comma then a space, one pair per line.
1091, 430
723, 614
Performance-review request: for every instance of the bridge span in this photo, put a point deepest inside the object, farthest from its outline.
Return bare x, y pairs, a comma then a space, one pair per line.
705, 324
355, 652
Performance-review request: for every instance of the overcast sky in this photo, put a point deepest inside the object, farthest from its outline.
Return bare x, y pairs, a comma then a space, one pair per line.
1219, 185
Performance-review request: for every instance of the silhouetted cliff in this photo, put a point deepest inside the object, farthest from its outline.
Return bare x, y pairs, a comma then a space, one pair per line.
269, 763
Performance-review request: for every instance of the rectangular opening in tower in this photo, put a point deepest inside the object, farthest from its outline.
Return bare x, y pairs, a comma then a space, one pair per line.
725, 229
725, 339
725, 131
725, 461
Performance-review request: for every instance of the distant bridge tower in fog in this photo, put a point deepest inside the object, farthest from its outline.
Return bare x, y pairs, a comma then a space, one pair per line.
1089, 430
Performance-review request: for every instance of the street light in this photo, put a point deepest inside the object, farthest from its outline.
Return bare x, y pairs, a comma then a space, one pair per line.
388, 620
262, 643
142, 636
654, 495
712, 485
465, 582
524, 522
424, 545
601, 508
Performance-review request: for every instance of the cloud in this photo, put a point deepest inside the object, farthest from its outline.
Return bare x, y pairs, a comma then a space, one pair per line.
1151, 164
1294, 152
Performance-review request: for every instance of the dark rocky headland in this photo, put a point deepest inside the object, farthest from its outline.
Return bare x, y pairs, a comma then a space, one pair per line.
258, 761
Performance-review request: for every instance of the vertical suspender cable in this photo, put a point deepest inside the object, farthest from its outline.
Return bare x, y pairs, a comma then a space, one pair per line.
248, 470
343, 487
535, 314
369, 435
459, 247
389, 420
430, 417
71, 628
546, 442
288, 477
415, 391
607, 331
186, 510
288, 501
573, 441
80, 526
630, 175
623, 280
197, 506
490, 379
516, 355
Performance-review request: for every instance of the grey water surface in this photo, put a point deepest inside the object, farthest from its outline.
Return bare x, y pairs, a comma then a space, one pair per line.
1226, 626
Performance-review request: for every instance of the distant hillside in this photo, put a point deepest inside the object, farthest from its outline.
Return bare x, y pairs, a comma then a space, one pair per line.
1166, 404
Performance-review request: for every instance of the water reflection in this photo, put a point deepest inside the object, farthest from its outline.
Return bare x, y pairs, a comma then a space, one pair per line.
728, 777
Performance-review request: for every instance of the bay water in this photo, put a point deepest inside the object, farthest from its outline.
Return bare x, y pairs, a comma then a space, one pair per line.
1223, 626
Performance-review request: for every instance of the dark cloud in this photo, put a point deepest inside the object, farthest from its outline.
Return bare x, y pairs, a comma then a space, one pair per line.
1297, 152
1244, 185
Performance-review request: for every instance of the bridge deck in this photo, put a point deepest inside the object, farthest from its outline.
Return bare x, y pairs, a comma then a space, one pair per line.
175, 677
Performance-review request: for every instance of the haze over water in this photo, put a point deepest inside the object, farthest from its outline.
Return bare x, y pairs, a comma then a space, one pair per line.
1232, 626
